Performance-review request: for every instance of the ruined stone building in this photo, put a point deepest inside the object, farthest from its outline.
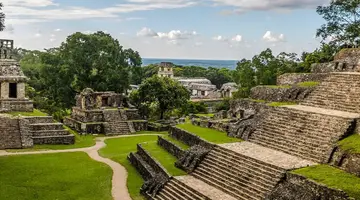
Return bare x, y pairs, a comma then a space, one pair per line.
22, 131
166, 70
104, 113
228, 89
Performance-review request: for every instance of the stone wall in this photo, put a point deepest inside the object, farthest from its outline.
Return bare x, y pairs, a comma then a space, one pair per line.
132, 114
189, 138
67, 140
10, 135
347, 161
170, 147
87, 115
144, 169
158, 127
281, 94
154, 164
26, 135
334, 67
298, 187
140, 125
295, 78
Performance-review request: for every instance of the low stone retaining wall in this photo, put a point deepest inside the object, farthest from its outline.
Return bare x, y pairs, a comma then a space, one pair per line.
144, 169
140, 125
157, 127
298, 187
189, 138
62, 139
295, 78
170, 147
281, 94
155, 165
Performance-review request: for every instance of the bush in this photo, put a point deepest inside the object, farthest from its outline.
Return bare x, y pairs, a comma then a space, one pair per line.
224, 105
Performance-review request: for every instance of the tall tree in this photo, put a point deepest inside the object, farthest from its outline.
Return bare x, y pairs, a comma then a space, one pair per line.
2, 18
343, 25
166, 93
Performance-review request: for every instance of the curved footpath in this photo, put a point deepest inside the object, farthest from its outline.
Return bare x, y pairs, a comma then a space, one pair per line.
119, 189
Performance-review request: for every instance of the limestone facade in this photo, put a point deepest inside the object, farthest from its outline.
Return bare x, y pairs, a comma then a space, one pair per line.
166, 70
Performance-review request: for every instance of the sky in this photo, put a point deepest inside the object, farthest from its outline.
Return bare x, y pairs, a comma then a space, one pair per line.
182, 29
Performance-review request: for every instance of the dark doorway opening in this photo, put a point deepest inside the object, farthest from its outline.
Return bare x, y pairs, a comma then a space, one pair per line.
12, 90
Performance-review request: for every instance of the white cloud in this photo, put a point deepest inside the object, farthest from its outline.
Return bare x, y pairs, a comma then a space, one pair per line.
271, 37
173, 42
176, 34
29, 3
38, 35
146, 32
237, 38
57, 30
52, 39
241, 6
220, 38
88, 32
198, 44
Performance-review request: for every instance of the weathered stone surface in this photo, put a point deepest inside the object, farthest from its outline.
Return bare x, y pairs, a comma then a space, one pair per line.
220, 115
295, 78
26, 135
189, 138
281, 94
192, 158
298, 187
10, 135
347, 161
155, 165
243, 128
153, 186
141, 166
62, 139
170, 147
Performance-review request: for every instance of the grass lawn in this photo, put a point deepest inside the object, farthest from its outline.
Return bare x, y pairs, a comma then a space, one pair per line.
351, 143
65, 176
276, 86
118, 149
333, 177
163, 157
208, 134
36, 113
278, 104
177, 142
308, 84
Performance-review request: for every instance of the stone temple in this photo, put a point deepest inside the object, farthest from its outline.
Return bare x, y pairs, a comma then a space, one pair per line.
22, 131
104, 113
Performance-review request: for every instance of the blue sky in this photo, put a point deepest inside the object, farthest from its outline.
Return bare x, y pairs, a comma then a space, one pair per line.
194, 29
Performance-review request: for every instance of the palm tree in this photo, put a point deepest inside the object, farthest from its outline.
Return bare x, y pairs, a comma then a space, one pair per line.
2, 19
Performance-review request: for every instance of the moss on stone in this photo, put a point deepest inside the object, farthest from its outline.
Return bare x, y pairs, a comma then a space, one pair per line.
258, 100
35, 113
277, 86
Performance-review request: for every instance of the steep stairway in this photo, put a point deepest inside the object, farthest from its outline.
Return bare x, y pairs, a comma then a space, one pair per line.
176, 190
339, 91
238, 175
117, 122
45, 131
304, 131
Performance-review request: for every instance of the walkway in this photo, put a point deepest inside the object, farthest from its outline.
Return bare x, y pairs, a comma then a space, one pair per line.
119, 189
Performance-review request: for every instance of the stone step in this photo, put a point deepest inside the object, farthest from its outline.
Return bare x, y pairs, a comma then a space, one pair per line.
183, 190
170, 192
300, 148
243, 179
245, 159
39, 120
316, 158
224, 186
50, 133
295, 127
243, 166
46, 126
62, 139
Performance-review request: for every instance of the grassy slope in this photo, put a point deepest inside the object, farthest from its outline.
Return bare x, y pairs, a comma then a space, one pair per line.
205, 115
208, 134
334, 178
65, 176
34, 113
308, 84
118, 150
351, 143
163, 157
177, 142
278, 104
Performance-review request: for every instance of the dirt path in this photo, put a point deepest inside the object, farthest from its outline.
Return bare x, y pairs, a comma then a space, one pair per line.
119, 189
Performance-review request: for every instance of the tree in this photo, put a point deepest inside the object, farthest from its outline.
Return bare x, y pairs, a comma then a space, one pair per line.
2, 18
323, 54
218, 76
343, 25
166, 93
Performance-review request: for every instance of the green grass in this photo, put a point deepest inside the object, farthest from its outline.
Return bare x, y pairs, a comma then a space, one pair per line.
351, 144
278, 104
163, 157
208, 134
205, 115
177, 142
334, 178
308, 84
35, 113
118, 149
64, 176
